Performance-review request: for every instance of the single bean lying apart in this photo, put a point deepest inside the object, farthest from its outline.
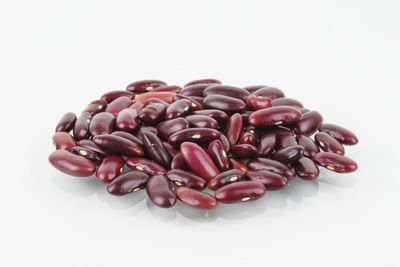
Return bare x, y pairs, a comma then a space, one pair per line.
177, 141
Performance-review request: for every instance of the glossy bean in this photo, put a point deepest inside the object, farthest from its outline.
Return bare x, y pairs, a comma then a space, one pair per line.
218, 154
152, 113
156, 100
167, 128
137, 106
118, 145
102, 123
245, 116
178, 162
119, 104
288, 154
171, 150
109, 169
168, 88
328, 143
177, 109
127, 120
234, 128
81, 127
244, 151
283, 101
195, 198
343, 135
274, 116
165, 96
225, 143
145, 165
306, 168
270, 92
95, 107
335, 162
216, 114
186, 178
240, 192
128, 136
203, 81
271, 180
141, 130
87, 153
310, 147
63, 141
285, 137
201, 136
226, 90
271, 165
194, 90
225, 103
92, 146
256, 102
237, 164
267, 144
66, 123
249, 136
71, 164
160, 191
303, 110
254, 88
127, 183
111, 96
201, 121
156, 150
227, 177
143, 86
194, 104
308, 123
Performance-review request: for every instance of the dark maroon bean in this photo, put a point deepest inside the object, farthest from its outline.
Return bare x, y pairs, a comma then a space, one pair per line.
274, 116
118, 145
285, 137
127, 120
168, 88
111, 96
171, 150
87, 153
225, 103
335, 162
102, 123
195, 198
328, 143
245, 116
128, 136
118, 104
218, 154
226, 90
267, 144
253, 88
145, 165
127, 183
225, 178
194, 103
225, 143
203, 81
137, 106
199, 99
109, 169
240, 192
142, 129
177, 109
306, 169
95, 107
289, 154
244, 151
249, 136
157, 100
201, 136
63, 141
237, 164
270, 92
81, 127
283, 101
216, 114
186, 178
66, 123
271, 180
310, 147
234, 128
167, 128
303, 110
194, 90
71, 164
271, 165
178, 162
308, 123
156, 150
201, 121
256, 102
160, 191
92, 146
152, 113
343, 135
144, 86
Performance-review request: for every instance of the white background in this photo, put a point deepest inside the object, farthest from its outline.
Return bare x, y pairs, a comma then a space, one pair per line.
338, 57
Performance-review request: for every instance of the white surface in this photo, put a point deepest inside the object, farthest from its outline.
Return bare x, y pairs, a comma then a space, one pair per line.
338, 57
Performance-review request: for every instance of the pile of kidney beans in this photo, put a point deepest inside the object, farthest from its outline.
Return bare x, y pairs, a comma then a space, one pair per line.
176, 141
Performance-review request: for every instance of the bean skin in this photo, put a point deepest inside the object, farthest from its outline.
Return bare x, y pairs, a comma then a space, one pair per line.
177, 109
127, 183
157, 100
160, 191
194, 90
328, 143
240, 192
186, 178
271, 180
306, 169
234, 128
226, 90
283, 101
92, 146
285, 137
141, 130
267, 144
128, 136
171, 150
194, 104
343, 135
201, 121
256, 102
111, 96
225, 178
274, 116
127, 120
63, 141
102, 123
156, 150
109, 169
304, 110
71, 164
165, 96
152, 113
244, 151
137, 106
118, 145
270, 92
178, 162
66, 123
87, 153
201, 136
218, 154
95, 107
225, 143
168, 88
81, 127
254, 88
237, 164
167, 128
203, 81
224, 103
119, 104
249, 136
289, 154
145, 165
215, 114
335, 162
310, 147
271, 165
196, 199
308, 123
143, 86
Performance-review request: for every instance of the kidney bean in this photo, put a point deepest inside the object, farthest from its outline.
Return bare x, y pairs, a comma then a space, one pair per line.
178, 162
249, 136
63, 141
267, 144
203, 81
335, 162
328, 143
308, 123
245, 116
194, 103
196, 199
194, 90
283, 101
111, 96
137, 106
118, 145
225, 178
240, 192
201, 136
102, 123
306, 169
109, 169
171, 150
152, 113
87, 153
128, 136
81, 127
270, 92
141, 130
343, 135
198, 160
157, 100
215, 114
127, 120
218, 154
201, 121
119, 104
244, 151
167, 128
168, 88
274, 116
310, 147
285, 137
271, 180
256, 102
156, 150
177, 109
225, 143
92, 146
237, 164
234, 128
271, 165
225, 103
165, 96
145, 165
186, 178
95, 107
254, 88
66, 123
226, 90
144, 86
304, 110
160, 191
71, 164
127, 183
288, 154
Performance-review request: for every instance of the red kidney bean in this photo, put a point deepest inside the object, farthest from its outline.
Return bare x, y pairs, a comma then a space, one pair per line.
87, 153
244, 151
178, 162
111, 96
95, 107
127, 183
194, 104
271, 165
240, 192
304, 110
310, 147
328, 143
119, 104
63, 141
198, 160
160, 191
216, 114
167, 128
285, 137
144, 86
92, 146
194, 90
225, 103
306, 169
102, 123
177, 109
254, 88
109, 169
335, 162
152, 113
196, 199
165, 96
308, 123
256, 102
271, 180
225, 178
168, 88
128, 136
81, 127
249, 136
157, 100
142, 129
186, 178
270, 92
118, 145
171, 150
267, 144
201, 121
218, 154
289, 154
71, 164
66, 123
156, 150
201, 136
343, 135
137, 106
283, 101
225, 143
245, 116
226, 90
237, 164
127, 120
199, 99
145, 165
234, 128
274, 116
203, 81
